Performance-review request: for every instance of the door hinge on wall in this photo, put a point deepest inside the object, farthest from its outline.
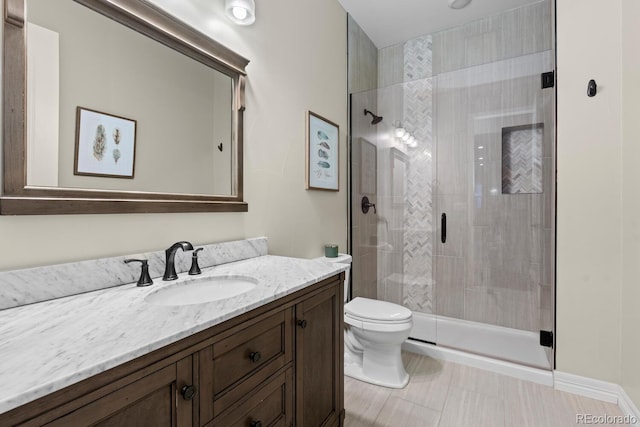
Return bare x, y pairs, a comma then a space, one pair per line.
546, 338
548, 79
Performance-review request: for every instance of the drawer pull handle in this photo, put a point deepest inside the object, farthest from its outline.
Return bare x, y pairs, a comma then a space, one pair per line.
255, 356
255, 424
302, 323
188, 392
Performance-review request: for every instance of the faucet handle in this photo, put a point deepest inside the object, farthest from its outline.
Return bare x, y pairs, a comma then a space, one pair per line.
195, 268
145, 279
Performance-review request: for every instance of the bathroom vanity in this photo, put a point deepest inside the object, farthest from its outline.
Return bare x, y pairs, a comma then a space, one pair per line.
271, 356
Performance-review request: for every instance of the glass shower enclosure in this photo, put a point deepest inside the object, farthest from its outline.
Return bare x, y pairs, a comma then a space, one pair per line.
462, 173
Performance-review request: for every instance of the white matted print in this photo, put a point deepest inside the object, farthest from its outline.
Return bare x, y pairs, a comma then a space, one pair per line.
105, 144
323, 155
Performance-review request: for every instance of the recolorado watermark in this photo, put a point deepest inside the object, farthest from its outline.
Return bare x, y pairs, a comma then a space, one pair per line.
591, 419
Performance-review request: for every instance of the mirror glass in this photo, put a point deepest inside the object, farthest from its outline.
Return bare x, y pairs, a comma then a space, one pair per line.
111, 109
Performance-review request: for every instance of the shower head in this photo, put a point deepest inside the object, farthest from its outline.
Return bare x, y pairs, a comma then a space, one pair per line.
376, 119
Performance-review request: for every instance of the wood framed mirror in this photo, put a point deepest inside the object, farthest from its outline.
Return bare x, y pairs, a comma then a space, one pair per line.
169, 114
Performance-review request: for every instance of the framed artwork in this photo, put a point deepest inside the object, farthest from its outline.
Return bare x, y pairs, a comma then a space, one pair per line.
323, 155
105, 144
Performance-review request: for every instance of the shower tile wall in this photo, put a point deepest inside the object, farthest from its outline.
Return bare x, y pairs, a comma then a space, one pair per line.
405, 267
363, 59
391, 184
514, 33
496, 266
363, 80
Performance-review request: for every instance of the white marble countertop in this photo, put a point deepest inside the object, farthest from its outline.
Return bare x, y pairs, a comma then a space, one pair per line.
47, 346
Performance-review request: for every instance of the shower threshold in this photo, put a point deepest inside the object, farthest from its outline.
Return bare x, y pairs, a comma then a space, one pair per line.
495, 342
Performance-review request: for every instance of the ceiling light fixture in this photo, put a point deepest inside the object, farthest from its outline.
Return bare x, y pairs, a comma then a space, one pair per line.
242, 12
458, 4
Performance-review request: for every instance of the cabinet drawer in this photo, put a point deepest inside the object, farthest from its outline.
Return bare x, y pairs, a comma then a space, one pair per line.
269, 406
234, 366
266, 342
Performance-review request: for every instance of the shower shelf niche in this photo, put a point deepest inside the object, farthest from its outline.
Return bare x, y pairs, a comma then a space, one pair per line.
522, 159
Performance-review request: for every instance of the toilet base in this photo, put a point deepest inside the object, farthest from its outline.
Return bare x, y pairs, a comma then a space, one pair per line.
354, 370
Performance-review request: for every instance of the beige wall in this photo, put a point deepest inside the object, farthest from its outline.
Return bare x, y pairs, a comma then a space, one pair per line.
296, 64
631, 199
598, 198
589, 208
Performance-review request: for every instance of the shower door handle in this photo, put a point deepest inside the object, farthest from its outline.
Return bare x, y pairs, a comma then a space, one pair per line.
443, 228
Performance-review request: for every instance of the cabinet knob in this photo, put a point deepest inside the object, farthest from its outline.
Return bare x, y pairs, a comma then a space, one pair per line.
302, 323
188, 392
255, 424
255, 356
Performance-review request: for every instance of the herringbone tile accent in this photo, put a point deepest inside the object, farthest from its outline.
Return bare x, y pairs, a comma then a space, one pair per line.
418, 119
522, 160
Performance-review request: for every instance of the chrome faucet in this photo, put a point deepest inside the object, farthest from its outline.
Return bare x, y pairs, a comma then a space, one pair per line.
170, 254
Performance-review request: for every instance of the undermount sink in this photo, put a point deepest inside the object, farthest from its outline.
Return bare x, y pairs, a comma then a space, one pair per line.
203, 290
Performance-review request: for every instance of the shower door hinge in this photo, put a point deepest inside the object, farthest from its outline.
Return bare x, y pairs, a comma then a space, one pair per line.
546, 338
548, 79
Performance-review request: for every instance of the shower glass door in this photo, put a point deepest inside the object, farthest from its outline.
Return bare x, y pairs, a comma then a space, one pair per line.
493, 193
466, 143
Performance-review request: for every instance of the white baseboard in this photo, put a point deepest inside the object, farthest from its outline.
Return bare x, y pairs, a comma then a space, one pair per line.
588, 387
570, 383
596, 389
628, 407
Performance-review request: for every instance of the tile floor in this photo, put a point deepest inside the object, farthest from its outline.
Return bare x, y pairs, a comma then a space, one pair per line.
445, 394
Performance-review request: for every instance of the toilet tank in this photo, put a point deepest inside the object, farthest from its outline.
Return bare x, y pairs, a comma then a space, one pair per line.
346, 260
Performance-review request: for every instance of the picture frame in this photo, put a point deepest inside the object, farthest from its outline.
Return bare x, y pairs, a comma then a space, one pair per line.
323, 153
105, 144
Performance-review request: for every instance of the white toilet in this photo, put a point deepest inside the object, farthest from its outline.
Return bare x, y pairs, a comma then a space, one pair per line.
374, 333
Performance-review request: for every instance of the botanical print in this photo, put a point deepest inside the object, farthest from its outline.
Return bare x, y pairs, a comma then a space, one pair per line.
117, 136
99, 143
322, 153
93, 144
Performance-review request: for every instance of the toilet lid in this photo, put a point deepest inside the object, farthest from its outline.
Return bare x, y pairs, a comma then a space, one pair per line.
371, 309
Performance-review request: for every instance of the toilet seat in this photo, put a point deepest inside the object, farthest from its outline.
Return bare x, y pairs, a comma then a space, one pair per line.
379, 316
375, 311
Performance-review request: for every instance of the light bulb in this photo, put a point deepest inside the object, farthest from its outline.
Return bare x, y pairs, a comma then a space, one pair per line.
239, 12
399, 132
405, 137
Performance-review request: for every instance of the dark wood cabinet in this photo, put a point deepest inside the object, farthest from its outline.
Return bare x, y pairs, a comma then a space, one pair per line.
278, 365
140, 400
319, 359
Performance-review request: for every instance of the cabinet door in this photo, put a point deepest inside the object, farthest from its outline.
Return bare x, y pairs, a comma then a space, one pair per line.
319, 359
155, 400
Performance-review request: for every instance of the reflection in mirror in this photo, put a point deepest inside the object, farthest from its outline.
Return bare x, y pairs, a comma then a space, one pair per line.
182, 108
115, 106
